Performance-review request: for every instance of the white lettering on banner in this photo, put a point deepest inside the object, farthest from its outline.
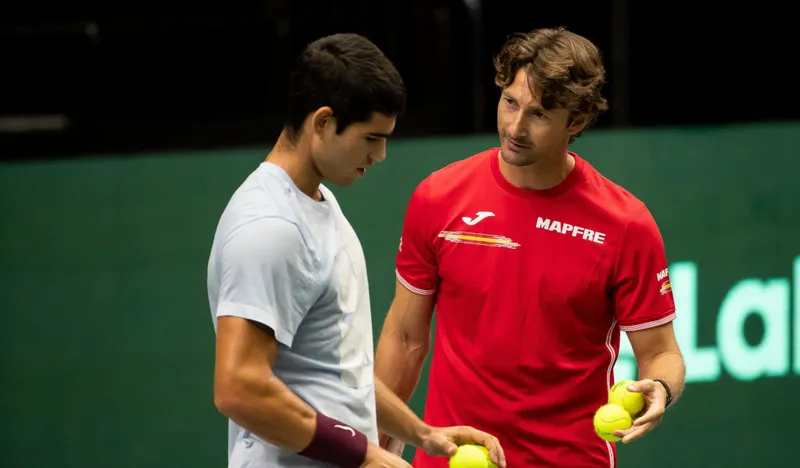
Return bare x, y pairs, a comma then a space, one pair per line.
767, 299
796, 295
770, 301
570, 229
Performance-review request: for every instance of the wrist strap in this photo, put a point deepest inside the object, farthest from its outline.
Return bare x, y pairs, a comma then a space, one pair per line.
336, 443
669, 392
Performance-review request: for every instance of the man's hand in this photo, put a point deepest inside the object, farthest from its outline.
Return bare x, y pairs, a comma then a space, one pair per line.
380, 458
655, 397
443, 441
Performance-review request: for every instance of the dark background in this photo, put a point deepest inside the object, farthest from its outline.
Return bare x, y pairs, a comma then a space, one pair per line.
90, 76
107, 342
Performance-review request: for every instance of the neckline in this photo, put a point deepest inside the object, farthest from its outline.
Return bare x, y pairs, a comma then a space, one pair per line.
572, 178
289, 184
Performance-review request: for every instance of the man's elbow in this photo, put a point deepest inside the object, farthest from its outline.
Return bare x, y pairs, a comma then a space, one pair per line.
407, 329
407, 343
227, 397
234, 393
420, 347
670, 358
673, 355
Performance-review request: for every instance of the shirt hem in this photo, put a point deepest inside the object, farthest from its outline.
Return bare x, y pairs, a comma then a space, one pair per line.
412, 288
652, 324
256, 314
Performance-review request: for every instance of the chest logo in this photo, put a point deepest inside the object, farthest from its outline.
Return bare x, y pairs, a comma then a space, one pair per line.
479, 216
571, 230
475, 238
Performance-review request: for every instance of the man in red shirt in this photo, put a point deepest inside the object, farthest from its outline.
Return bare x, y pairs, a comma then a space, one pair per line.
535, 263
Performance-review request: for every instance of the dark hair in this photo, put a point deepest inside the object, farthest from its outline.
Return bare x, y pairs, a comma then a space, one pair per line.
348, 73
566, 70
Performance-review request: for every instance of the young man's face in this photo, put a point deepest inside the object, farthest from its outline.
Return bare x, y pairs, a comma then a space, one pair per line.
343, 158
528, 132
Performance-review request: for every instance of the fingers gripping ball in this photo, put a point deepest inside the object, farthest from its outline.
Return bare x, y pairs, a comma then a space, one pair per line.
471, 456
632, 402
610, 418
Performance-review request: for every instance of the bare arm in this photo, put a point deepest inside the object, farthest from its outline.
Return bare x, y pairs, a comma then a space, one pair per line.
402, 348
658, 356
246, 390
396, 419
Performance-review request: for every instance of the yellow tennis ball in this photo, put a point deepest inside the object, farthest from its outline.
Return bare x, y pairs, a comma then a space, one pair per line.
610, 418
471, 456
633, 402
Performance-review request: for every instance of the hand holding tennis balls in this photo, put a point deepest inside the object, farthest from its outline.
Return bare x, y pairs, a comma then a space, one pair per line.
632, 402
464, 444
644, 402
623, 405
471, 456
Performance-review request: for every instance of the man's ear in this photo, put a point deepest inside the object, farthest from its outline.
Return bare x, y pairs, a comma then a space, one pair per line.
577, 123
322, 119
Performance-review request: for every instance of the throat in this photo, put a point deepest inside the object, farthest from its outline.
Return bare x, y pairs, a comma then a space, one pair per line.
542, 175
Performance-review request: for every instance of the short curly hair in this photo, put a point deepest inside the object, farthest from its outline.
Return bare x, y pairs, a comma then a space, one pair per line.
566, 69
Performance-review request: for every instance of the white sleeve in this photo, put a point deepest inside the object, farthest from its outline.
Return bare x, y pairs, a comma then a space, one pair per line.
265, 276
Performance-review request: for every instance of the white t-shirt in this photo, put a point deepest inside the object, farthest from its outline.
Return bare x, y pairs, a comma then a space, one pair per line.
295, 265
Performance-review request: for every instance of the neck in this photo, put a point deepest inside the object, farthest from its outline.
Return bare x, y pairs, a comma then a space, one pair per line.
541, 175
295, 159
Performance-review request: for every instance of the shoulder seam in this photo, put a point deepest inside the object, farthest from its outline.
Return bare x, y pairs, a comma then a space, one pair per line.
618, 251
640, 208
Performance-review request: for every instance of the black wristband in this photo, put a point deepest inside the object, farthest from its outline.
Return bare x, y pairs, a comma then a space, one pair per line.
336, 443
669, 393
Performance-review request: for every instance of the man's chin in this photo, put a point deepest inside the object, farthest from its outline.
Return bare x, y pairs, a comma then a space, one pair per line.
343, 182
515, 159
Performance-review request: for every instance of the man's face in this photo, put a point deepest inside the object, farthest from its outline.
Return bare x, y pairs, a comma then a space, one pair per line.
528, 132
343, 158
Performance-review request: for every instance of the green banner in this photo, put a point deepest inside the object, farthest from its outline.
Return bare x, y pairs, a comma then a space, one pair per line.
107, 341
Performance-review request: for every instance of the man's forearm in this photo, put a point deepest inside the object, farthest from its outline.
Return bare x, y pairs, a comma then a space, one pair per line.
396, 419
668, 367
270, 410
398, 364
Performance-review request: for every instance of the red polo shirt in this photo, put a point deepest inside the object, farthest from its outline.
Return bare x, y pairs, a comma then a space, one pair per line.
532, 290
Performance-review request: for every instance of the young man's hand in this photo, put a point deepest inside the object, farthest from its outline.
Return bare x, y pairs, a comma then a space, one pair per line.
443, 441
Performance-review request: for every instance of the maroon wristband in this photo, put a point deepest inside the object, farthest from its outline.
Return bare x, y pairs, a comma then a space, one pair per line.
336, 443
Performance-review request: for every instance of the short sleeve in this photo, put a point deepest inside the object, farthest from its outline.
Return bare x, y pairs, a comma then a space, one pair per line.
265, 276
417, 269
641, 291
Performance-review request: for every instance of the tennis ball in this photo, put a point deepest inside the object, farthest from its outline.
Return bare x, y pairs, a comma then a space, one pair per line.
632, 402
471, 456
610, 418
